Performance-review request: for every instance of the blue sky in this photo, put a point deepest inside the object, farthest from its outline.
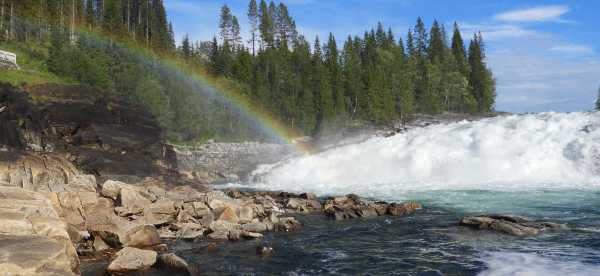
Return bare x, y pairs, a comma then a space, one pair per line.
544, 54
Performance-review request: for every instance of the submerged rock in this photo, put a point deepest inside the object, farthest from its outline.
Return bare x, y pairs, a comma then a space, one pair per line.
352, 206
174, 263
512, 225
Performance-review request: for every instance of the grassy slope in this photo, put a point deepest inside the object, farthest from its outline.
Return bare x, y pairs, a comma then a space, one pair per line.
32, 60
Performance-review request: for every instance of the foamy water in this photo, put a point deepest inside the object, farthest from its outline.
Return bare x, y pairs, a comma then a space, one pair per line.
527, 264
543, 166
517, 152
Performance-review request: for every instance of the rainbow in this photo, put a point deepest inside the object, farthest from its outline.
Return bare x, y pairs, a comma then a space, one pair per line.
266, 121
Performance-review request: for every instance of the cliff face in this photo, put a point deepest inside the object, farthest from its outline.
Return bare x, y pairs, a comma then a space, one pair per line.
101, 136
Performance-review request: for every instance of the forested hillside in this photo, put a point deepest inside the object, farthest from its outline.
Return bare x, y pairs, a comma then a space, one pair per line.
117, 45
375, 77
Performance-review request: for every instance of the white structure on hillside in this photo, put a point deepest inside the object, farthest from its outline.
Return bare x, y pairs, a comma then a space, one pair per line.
8, 60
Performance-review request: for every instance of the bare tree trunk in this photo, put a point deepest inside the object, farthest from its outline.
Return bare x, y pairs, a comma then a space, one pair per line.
73, 12
147, 22
2, 18
128, 17
41, 22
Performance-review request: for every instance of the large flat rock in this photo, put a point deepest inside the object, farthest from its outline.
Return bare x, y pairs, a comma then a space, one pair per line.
33, 255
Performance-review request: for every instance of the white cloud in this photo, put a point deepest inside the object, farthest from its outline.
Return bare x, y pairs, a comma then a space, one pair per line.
537, 14
530, 81
573, 48
496, 32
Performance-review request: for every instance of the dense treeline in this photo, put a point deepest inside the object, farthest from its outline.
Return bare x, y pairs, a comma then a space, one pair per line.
65, 33
375, 77
143, 21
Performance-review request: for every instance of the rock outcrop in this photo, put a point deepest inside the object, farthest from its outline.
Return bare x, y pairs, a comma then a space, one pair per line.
512, 225
33, 238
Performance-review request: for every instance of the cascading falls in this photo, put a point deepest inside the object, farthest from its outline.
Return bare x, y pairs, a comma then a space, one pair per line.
514, 152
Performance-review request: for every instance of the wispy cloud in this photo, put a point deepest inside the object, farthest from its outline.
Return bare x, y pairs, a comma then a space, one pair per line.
496, 32
573, 48
536, 14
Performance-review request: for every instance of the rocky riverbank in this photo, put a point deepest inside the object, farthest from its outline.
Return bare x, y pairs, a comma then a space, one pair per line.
92, 178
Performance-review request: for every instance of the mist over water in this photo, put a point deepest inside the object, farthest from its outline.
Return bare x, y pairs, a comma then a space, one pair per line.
541, 166
508, 153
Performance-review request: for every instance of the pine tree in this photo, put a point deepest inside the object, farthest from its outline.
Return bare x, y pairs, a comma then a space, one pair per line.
236, 39
335, 72
226, 25
437, 44
480, 78
186, 50
459, 52
266, 25
422, 39
253, 18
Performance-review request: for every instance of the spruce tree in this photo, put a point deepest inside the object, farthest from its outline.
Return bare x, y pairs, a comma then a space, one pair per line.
459, 52
253, 19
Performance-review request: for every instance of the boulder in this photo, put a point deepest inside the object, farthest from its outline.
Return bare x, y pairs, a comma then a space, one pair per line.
35, 255
297, 205
133, 198
112, 189
251, 235
228, 214
511, 225
402, 209
255, 227
142, 236
162, 211
29, 214
174, 263
99, 244
188, 231
130, 259
245, 214
186, 194
82, 183
288, 224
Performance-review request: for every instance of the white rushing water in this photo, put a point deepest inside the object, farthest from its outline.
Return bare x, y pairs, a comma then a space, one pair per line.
516, 152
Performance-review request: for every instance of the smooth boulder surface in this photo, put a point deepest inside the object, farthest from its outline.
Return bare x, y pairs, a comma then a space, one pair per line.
34, 255
142, 236
29, 219
131, 259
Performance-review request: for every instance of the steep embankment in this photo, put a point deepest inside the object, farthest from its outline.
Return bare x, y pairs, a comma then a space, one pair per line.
101, 135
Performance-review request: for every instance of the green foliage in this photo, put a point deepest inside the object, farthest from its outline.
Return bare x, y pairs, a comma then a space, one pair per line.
372, 78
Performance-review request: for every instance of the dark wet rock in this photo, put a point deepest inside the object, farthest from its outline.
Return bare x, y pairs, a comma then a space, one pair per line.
288, 224
512, 225
403, 209
264, 250
174, 263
